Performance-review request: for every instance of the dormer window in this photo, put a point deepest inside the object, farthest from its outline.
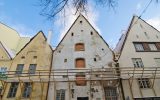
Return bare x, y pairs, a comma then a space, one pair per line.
79, 47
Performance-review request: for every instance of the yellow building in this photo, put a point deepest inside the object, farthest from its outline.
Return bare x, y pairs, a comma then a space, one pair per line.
11, 38
26, 76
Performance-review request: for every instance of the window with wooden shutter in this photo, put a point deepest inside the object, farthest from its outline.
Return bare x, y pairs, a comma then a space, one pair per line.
80, 79
79, 47
146, 47
80, 63
158, 46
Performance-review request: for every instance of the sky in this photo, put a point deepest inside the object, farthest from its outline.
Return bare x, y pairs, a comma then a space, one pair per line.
24, 16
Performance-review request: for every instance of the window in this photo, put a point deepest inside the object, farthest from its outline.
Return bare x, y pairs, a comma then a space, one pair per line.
19, 69
32, 68
147, 46
60, 94
80, 63
91, 33
158, 46
13, 90
157, 60
79, 47
137, 62
80, 79
27, 90
139, 47
144, 83
110, 93
152, 47
65, 60
72, 34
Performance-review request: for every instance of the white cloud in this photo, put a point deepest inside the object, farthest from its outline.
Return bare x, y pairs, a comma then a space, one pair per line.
66, 22
23, 30
155, 22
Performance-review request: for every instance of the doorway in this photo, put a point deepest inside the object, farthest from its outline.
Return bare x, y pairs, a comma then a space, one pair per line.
82, 98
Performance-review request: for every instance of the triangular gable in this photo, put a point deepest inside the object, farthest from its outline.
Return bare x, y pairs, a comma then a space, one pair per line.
89, 24
40, 32
6, 50
128, 31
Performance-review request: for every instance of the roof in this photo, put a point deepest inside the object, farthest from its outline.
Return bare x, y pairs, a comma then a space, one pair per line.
123, 38
10, 54
32, 40
89, 24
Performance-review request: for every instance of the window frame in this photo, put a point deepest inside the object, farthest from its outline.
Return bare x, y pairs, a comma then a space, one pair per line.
19, 69
60, 94
13, 90
146, 47
111, 93
27, 90
137, 62
32, 71
144, 83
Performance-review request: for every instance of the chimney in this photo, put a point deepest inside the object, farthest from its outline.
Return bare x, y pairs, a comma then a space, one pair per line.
49, 36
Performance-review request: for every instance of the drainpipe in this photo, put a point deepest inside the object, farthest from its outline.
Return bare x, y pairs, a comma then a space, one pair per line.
120, 80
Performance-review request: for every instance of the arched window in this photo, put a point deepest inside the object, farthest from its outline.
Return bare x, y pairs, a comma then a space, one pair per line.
79, 47
80, 63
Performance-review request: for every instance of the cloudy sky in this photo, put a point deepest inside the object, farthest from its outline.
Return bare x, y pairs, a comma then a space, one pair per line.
24, 16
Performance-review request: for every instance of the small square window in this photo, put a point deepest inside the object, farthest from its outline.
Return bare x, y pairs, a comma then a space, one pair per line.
80, 22
72, 34
91, 33
65, 60
95, 59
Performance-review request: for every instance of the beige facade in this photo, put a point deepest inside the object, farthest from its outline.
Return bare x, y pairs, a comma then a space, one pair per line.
139, 53
27, 83
11, 38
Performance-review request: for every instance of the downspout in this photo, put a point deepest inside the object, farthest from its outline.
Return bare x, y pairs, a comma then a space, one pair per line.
49, 73
120, 79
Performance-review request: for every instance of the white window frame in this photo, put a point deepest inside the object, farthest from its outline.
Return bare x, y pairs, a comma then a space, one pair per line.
137, 62
144, 83
13, 90
139, 46
111, 93
152, 46
60, 94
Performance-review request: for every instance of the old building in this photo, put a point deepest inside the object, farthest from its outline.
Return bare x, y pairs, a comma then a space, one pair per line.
82, 64
29, 69
11, 38
138, 55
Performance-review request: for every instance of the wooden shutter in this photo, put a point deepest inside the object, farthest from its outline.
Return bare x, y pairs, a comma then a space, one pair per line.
80, 80
146, 47
80, 63
79, 47
158, 46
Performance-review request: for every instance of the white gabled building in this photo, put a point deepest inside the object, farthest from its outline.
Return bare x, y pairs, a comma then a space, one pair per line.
82, 66
139, 61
